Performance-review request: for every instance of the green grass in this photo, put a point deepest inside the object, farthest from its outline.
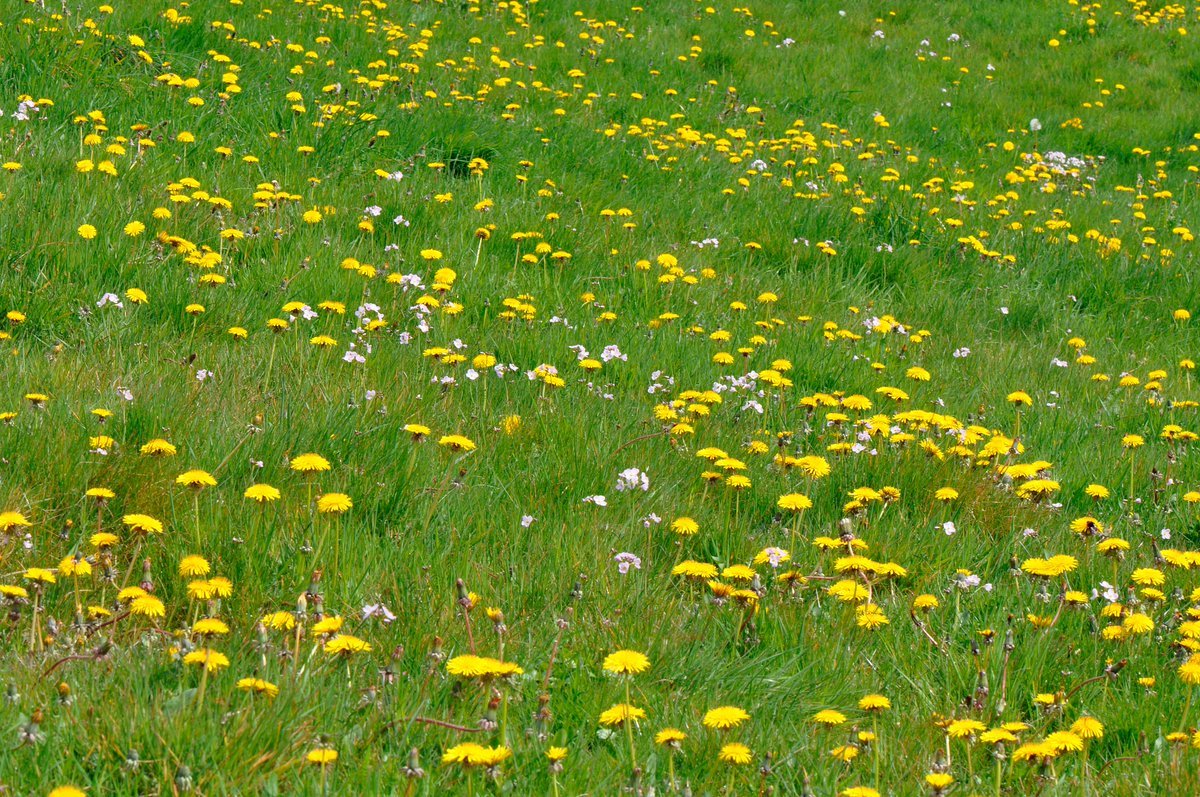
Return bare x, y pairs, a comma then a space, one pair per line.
852, 174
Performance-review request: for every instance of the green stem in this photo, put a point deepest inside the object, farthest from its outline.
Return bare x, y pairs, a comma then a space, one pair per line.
203, 684
629, 727
878, 752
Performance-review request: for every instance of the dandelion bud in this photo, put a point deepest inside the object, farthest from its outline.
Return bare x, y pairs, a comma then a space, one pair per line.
464, 598
147, 582
413, 770
133, 760
981, 687
183, 778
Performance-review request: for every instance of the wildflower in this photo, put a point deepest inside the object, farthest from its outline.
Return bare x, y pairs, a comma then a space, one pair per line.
723, 718
143, 524
322, 757
258, 686
457, 442
735, 753
211, 660
670, 737
309, 463
334, 503
829, 718
626, 662
346, 645
261, 493
620, 714
195, 479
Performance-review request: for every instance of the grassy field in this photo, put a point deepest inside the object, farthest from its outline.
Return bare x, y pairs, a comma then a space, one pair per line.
569, 398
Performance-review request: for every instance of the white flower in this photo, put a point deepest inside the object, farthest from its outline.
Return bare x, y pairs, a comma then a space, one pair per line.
110, 298
1034, 125
949, 528
613, 352
626, 560
598, 500
774, 556
373, 609
527, 521
632, 479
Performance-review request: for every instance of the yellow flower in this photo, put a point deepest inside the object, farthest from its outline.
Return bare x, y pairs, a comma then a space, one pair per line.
39, 575
334, 503
211, 660
309, 463
482, 667
1189, 671
621, 713
669, 737
626, 662
322, 757
874, 703
735, 753
12, 520
794, 502
696, 570
258, 686
261, 493
71, 566
196, 479
1087, 728
143, 524
723, 718
209, 626
829, 718
346, 645
456, 442
158, 448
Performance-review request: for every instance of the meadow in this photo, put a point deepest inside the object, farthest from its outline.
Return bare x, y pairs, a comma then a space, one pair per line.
584, 397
